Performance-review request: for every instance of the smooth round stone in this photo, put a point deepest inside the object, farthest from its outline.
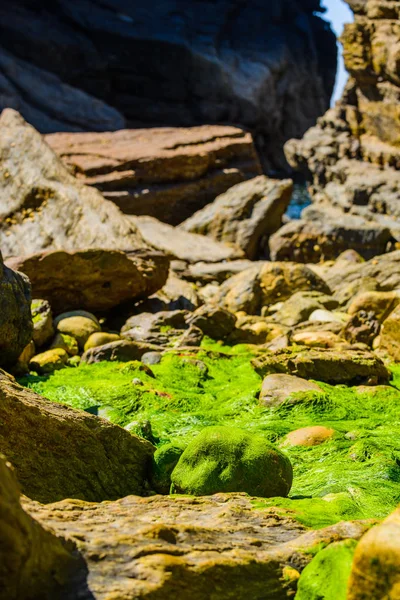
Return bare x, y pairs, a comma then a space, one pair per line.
151, 358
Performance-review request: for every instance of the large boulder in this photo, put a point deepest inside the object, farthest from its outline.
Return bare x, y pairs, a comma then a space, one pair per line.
227, 459
165, 173
93, 279
266, 283
244, 216
182, 245
44, 207
61, 453
272, 65
16, 327
376, 566
178, 547
34, 562
348, 366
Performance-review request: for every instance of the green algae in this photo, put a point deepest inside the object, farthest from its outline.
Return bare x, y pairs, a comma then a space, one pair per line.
356, 474
327, 575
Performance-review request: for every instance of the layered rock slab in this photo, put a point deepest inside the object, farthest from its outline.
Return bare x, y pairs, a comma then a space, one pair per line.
169, 547
95, 280
168, 173
61, 453
44, 207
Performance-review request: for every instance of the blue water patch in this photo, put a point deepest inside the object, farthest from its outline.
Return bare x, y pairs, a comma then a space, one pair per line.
300, 200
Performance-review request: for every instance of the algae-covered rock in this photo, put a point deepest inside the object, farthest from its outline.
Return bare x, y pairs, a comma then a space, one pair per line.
326, 576
65, 342
80, 328
375, 572
227, 459
49, 361
43, 328
59, 452
34, 562
165, 460
324, 364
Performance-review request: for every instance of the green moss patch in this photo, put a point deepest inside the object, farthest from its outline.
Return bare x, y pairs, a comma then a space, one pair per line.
356, 474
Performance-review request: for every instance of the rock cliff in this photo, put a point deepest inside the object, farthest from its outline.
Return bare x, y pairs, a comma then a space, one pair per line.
95, 65
352, 155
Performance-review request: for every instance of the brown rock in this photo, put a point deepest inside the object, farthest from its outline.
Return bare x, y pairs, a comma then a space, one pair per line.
94, 279
123, 351
348, 366
215, 322
309, 436
267, 283
244, 216
34, 562
44, 207
363, 328
279, 388
166, 171
80, 328
49, 361
182, 245
100, 338
380, 303
42, 316
376, 564
61, 453
316, 339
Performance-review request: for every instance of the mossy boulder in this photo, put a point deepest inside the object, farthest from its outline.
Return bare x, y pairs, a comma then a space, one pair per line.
351, 366
227, 459
49, 361
165, 460
326, 576
66, 342
376, 567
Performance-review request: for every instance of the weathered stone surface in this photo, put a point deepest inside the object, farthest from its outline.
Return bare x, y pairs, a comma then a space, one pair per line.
267, 283
44, 207
203, 272
325, 236
244, 216
100, 339
165, 173
34, 562
363, 327
182, 245
176, 294
317, 339
332, 366
352, 156
61, 453
279, 388
49, 361
171, 547
93, 279
301, 305
160, 328
275, 85
376, 564
215, 322
380, 303
16, 326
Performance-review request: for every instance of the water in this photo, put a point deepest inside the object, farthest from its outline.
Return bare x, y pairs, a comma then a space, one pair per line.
300, 199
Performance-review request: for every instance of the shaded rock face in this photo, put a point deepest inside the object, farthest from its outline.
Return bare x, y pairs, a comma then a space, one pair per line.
272, 65
61, 453
165, 173
44, 207
352, 155
16, 327
34, 562
181, 547
96, 280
